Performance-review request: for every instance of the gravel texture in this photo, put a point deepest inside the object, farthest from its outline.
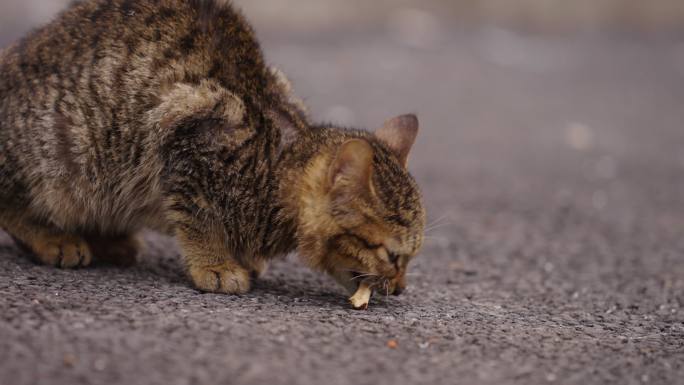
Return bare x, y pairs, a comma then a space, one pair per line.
553, 173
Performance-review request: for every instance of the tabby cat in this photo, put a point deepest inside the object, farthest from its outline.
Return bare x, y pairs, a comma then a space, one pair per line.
129, 114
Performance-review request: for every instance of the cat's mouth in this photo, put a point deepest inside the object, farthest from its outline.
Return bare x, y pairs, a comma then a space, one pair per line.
366, 284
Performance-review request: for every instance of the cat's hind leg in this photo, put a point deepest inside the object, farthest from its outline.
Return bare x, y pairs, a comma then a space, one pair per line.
47, 243
121, 250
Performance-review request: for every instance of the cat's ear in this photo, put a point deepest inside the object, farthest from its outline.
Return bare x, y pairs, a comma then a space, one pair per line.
399, 134
353, 165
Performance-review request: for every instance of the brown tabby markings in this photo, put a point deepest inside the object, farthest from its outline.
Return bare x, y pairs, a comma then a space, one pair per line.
125, 114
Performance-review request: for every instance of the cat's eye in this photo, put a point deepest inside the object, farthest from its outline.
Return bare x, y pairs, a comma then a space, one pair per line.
387, 255
365, 242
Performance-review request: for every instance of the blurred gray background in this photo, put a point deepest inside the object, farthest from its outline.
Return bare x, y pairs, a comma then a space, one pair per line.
308, 16
551, 157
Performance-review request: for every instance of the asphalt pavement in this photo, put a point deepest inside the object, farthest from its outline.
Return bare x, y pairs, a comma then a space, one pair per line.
553, 173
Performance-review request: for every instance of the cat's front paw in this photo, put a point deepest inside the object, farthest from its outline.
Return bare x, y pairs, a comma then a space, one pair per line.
62, 250
227, 277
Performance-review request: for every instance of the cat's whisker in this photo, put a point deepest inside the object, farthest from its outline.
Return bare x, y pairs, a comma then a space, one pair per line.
358, 271
438, 220
436, 226
439, 240
441, 217
435, 237
362, 276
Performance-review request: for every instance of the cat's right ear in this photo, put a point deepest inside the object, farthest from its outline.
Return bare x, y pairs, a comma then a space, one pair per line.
399, 134
352, 167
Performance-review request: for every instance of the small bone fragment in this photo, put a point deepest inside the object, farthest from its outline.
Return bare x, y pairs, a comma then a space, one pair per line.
360, 299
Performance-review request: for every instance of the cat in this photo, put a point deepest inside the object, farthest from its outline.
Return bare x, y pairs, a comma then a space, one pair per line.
122, 115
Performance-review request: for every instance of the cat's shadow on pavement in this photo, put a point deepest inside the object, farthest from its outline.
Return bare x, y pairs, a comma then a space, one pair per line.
285, 280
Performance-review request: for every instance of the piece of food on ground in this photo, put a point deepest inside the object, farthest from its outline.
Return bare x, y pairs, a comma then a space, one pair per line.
362, 296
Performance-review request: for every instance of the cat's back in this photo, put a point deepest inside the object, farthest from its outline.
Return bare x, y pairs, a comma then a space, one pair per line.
195, 37
102, 65
89, 77
75, 96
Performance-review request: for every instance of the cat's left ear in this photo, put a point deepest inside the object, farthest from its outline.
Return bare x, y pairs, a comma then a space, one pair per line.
399, 134
352, 166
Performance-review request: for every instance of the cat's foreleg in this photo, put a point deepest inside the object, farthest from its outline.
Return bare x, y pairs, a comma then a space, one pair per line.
194, 124
209, 264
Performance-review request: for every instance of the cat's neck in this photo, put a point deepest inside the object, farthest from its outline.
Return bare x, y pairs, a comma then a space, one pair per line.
302, 173
294, 182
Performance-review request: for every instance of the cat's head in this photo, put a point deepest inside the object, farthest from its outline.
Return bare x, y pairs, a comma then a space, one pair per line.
363, 218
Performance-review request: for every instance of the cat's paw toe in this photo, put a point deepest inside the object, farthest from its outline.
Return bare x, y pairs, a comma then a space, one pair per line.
223, 278
65, 251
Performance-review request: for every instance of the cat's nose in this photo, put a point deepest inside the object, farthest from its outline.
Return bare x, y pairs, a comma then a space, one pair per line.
399, 283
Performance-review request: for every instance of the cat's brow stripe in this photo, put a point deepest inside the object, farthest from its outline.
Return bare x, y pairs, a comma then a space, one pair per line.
364, 241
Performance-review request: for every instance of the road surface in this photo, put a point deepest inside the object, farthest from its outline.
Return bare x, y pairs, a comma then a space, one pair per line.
553, 173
